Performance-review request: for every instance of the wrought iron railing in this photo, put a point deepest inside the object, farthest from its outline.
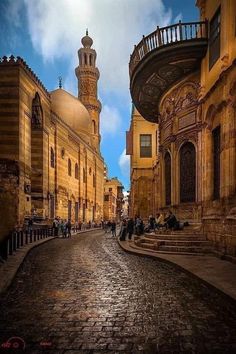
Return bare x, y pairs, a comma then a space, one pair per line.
179, 32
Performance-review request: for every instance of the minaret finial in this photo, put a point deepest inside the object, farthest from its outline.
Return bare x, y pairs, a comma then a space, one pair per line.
87, 32
60, 82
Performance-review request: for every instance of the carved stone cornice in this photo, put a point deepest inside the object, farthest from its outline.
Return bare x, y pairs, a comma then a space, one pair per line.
189, 136
181, 99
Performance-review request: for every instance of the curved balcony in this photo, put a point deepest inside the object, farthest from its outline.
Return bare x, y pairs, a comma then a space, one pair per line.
163, 58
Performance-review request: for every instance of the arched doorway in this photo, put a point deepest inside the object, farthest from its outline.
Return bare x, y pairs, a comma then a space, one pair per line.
167, 160
187, 173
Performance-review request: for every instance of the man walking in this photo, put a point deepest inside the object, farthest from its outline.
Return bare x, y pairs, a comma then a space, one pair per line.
130, 228
113, 228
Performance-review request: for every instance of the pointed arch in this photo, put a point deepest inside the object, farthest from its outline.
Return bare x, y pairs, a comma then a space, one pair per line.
37, 111
94, 130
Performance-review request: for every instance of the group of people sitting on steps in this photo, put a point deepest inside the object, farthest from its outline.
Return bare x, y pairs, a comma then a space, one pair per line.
167, 222
136, 226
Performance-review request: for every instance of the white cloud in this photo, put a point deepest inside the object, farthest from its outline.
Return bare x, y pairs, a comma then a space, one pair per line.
124, 163
56, 27
110, 120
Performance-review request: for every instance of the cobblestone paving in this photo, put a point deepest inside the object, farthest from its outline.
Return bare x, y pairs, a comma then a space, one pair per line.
85, 295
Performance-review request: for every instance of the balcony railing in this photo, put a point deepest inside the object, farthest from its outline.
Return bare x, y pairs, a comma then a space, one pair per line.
164, 36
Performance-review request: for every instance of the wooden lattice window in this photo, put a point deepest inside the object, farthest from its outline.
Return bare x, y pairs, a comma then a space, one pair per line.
167, 160
214, 39
216, 162
187, 173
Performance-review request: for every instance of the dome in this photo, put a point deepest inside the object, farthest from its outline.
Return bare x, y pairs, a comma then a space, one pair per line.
71, 111
87, 41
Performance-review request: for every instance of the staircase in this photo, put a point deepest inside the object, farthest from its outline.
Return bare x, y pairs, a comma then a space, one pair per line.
188, 241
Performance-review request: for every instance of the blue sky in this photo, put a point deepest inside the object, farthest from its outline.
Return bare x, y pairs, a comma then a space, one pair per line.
47, 34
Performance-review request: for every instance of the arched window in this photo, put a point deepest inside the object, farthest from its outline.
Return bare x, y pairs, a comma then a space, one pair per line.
76, 171
216, 162
167, 161
187, 173
52, 158
69, 167
85, 59
84, 175
37, 111
93, 127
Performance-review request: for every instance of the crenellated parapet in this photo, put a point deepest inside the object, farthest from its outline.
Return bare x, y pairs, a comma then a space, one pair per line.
18, 61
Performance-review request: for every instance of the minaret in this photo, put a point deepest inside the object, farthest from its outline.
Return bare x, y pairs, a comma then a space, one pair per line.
88, 74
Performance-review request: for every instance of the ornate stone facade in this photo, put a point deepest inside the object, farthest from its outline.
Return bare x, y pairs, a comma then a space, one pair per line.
195, 174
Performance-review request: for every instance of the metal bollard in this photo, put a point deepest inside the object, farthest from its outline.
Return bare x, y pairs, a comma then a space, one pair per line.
17, 239
26, 237
10, 245
21, 239
14, 241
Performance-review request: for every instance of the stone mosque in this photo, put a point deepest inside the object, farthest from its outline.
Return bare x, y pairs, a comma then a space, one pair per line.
50, 160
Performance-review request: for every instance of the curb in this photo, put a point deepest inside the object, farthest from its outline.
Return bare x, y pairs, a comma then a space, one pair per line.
161, 258
9, 269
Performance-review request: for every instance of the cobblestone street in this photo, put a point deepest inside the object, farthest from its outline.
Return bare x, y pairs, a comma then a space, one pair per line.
85, 295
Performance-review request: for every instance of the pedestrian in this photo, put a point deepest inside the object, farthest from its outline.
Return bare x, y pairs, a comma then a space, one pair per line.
113, 228
64, 228
123, 230
171, 221
139, 226
151, 221
102, 224
55, 227
159, 221
68, 227
30, 224
130, 228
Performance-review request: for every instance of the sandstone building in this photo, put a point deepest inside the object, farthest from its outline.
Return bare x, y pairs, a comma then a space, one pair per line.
50, 160
113, 198
142, 146
183, 77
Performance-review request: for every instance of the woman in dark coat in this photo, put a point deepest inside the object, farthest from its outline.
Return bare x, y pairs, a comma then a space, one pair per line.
130, 228
123, 230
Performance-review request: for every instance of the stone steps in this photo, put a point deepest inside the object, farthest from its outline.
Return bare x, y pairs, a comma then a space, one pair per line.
198, 237
154, 248
189, 249
187, 243
175, 243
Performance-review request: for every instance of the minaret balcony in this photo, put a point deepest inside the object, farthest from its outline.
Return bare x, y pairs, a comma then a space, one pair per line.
163, 58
